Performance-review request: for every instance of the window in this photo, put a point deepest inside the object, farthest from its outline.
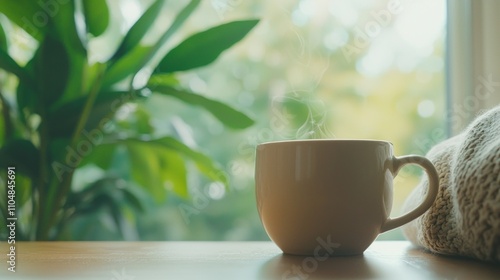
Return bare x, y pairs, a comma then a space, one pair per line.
474, 65
411, 72
404, 71
316, 69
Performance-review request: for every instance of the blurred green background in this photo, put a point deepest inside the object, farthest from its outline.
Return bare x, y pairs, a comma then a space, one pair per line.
310, 69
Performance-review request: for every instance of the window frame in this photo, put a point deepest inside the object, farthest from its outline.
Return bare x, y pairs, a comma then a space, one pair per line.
473, 63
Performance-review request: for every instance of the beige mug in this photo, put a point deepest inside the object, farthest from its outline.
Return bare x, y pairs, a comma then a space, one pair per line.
331, 197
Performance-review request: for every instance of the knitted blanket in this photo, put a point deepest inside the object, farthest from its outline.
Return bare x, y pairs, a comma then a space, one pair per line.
465, 218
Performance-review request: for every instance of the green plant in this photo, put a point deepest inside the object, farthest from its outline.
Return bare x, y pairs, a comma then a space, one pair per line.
64, 105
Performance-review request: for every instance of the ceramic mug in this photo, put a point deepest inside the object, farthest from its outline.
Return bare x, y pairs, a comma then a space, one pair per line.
331, 197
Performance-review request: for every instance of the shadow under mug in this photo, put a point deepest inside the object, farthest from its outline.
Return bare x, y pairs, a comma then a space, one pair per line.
331, 197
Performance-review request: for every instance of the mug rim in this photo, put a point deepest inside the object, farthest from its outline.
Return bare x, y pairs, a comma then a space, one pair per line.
339, 140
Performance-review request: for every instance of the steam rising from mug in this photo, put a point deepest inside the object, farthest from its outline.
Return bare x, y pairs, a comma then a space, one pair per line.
309, 114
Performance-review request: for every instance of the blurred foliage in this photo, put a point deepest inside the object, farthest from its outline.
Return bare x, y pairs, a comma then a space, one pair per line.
298, 84
296, 79
63, 111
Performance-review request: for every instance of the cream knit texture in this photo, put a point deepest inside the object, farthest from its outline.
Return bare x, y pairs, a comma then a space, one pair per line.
465, 218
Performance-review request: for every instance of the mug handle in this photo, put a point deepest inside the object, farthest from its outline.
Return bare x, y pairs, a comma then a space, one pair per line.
432, 191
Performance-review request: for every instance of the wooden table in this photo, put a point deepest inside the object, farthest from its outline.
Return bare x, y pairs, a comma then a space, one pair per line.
229, 260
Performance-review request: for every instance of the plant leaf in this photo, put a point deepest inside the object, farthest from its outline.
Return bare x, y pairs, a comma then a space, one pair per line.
155, 163
96, 16
175, 173
176, 24
107, 193
63, 18
26, 101
224, 113
28, 15
2, 130
23, 155
132, 199
51, 68
203, 48
63, 119
203, 162
101, 155
26, 94
8, 64
163, 79
138, 30
138, 122
156, 169
3, 40
80, 77
129, 64
146, 169
181, 17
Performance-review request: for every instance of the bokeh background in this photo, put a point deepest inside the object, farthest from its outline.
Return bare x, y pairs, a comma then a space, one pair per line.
311, 69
